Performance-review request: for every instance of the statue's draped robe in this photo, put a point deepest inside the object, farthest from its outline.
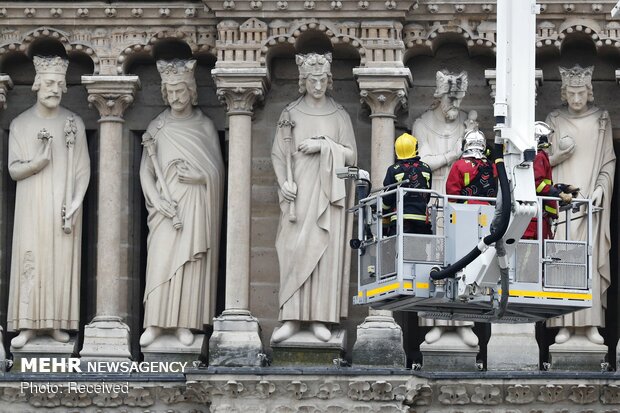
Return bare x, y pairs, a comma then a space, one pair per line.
597, 156
181, 271
435, 139
312, 252
45, 262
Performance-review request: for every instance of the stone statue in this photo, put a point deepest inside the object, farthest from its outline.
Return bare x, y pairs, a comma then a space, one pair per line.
314, 138
583, 137
440, 132
182, 177
48, 157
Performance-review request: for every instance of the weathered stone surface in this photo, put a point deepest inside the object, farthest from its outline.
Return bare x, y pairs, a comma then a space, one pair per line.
305, 350
379, 344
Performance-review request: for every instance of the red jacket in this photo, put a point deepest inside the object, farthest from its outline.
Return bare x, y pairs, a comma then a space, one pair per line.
472, 177
544, 187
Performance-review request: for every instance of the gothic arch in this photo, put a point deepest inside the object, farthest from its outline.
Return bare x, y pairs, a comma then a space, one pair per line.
140, 43
420, 39
342, 35
24, 44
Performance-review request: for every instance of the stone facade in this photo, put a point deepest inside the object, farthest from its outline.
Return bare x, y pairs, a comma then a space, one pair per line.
386, 54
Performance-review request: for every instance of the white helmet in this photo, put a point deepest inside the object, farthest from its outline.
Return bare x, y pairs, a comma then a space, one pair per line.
542, 131
474, 144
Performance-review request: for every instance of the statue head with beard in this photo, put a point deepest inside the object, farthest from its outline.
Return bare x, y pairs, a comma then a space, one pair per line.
450, 91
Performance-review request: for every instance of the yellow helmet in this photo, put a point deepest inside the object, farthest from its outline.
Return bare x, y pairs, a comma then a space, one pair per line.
406, 146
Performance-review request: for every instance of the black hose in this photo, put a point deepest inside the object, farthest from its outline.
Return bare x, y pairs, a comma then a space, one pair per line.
451, 270
504, 281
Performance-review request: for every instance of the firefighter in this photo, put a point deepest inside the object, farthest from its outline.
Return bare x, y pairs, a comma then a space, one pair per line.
544, 185
473, 174
409, 167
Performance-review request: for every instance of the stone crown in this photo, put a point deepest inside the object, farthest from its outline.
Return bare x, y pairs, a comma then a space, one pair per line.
50, 64
313, 63
176, 71
450, 83
576, 75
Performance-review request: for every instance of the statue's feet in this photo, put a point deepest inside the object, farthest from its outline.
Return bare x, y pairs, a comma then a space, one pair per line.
563, 335
594, 336
149, 335
468, 336
433, 335
184, 336
23, 337
320, 331
60, 336
287, 330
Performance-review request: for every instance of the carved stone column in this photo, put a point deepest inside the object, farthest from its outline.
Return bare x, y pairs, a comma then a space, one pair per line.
236, 333
384, 90
107, 336
5, 84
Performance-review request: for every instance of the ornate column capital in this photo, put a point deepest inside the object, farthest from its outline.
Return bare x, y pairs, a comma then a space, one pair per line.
5, 84
240, 88
383, 89
111, 95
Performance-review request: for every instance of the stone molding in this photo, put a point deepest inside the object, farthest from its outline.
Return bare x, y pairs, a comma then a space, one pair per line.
111, 95
329, 392
5, 84
380, 32
491, 75
311, 8
240, 88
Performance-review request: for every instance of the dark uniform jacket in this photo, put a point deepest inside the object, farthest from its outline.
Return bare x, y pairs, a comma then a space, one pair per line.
419, 175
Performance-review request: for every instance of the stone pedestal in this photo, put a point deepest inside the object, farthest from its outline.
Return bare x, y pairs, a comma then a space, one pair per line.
42, 347
303, 349
449, 353
379, 343
236, 340
167, 348
106, 338
578, 354
513, 347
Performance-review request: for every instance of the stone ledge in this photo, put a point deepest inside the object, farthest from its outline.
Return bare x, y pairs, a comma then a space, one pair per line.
323, 390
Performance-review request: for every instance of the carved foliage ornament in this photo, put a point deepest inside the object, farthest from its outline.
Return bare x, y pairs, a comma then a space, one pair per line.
110, 104
487, 394
551, 394
420, 395
239, 99
453, 394
519, 394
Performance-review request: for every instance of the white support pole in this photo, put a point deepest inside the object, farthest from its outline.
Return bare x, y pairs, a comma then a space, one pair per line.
516, 68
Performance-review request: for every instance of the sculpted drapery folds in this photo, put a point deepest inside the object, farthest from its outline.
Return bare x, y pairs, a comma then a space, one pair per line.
314, 137
48, 157
182, 177
583, 137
